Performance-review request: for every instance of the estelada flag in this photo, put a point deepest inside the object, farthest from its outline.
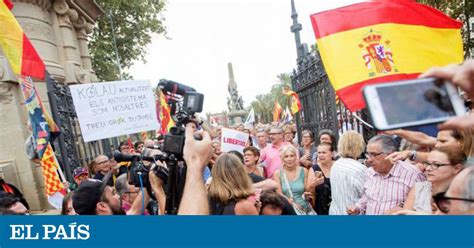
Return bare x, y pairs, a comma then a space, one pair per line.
294, 100
44, 129
383, 41
277, 111
165, 114
43, 126
20, 53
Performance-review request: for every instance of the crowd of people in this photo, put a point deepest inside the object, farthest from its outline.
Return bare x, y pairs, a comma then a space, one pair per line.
396, 172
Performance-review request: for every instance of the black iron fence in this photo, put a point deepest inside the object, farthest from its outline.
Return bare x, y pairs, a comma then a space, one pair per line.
319, 107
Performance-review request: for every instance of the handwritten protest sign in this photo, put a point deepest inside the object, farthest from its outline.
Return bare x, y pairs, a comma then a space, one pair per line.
233, 140
114, 108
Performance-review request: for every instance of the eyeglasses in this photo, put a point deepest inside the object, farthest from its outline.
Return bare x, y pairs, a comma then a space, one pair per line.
372, 154
435, 166
444, 203
274, 133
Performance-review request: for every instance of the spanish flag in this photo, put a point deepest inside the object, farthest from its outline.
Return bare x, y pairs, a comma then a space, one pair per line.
383, 41
165, 114
295, 102
277, 111
17, 48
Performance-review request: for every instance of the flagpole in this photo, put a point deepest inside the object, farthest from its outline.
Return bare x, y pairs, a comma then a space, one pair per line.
117, 61
117, 56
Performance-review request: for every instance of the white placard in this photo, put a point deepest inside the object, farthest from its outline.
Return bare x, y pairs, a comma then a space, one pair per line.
114, 108
233, 140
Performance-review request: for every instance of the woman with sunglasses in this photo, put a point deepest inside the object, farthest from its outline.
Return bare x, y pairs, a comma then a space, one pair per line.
442, 165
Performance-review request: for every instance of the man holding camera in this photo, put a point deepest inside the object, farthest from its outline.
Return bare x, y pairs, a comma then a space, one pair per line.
94, 197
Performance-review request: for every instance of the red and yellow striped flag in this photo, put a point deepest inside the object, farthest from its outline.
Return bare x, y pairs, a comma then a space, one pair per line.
20, 53
277, 111
165, 115
295, 104
144, 135
50, 167
382, 41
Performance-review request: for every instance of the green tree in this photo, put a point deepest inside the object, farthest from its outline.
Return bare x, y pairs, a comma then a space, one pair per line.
263, 108
264, 103
135, 23
284, 81
461, 10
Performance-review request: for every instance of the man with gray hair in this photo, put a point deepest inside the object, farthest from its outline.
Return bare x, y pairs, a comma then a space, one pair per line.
127, 193
387, 184
459, 199
271, 154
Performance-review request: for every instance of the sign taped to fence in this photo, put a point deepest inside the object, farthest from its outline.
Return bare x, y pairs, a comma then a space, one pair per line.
233, 140
114, 108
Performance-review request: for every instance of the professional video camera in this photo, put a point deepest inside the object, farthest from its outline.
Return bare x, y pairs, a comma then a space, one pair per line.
184, 103
138, 171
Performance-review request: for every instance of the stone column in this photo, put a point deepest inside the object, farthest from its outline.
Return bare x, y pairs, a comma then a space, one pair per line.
83, 29
58, 30
72, 63
34, 17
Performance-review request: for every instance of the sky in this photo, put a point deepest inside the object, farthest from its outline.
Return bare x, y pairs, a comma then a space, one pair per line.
205, 35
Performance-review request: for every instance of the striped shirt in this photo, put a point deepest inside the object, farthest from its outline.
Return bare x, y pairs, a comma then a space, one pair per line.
383, 193
347, 185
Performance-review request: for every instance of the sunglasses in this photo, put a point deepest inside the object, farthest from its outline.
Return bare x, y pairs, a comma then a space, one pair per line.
444, 203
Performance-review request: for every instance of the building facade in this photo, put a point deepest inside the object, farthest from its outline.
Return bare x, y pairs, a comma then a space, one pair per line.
59, 30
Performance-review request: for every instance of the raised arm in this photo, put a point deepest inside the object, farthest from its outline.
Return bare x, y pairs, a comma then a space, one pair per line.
414, 137
196, 154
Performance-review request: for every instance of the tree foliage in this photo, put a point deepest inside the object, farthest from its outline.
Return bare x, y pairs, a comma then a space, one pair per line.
135, 23
264, 103
461, 10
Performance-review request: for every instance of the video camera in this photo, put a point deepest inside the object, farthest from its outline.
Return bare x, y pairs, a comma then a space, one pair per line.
138, 169
184, 103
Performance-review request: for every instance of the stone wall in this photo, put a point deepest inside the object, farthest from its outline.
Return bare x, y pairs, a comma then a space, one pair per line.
59, 30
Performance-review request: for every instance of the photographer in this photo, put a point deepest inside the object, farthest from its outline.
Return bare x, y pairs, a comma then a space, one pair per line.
95, 197
157, 182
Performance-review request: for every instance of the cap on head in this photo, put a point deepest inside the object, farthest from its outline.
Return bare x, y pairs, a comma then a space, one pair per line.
80, 171
87, 195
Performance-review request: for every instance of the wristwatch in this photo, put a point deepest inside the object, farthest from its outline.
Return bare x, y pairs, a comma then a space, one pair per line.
413, 155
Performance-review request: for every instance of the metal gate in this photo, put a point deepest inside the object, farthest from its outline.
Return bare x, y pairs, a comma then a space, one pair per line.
319, 107
71, 150
316, 94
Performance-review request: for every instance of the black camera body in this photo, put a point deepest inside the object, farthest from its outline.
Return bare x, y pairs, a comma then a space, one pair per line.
192, 102
184, 102
138, 171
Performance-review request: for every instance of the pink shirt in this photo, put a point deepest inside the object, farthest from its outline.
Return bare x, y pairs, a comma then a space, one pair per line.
271, 156
383, 193
127, 206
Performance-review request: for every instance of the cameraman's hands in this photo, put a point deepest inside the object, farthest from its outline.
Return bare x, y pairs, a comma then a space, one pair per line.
197, 153
154, 179
157, 187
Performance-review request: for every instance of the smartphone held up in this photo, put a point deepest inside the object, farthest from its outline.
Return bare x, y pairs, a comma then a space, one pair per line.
412, 103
